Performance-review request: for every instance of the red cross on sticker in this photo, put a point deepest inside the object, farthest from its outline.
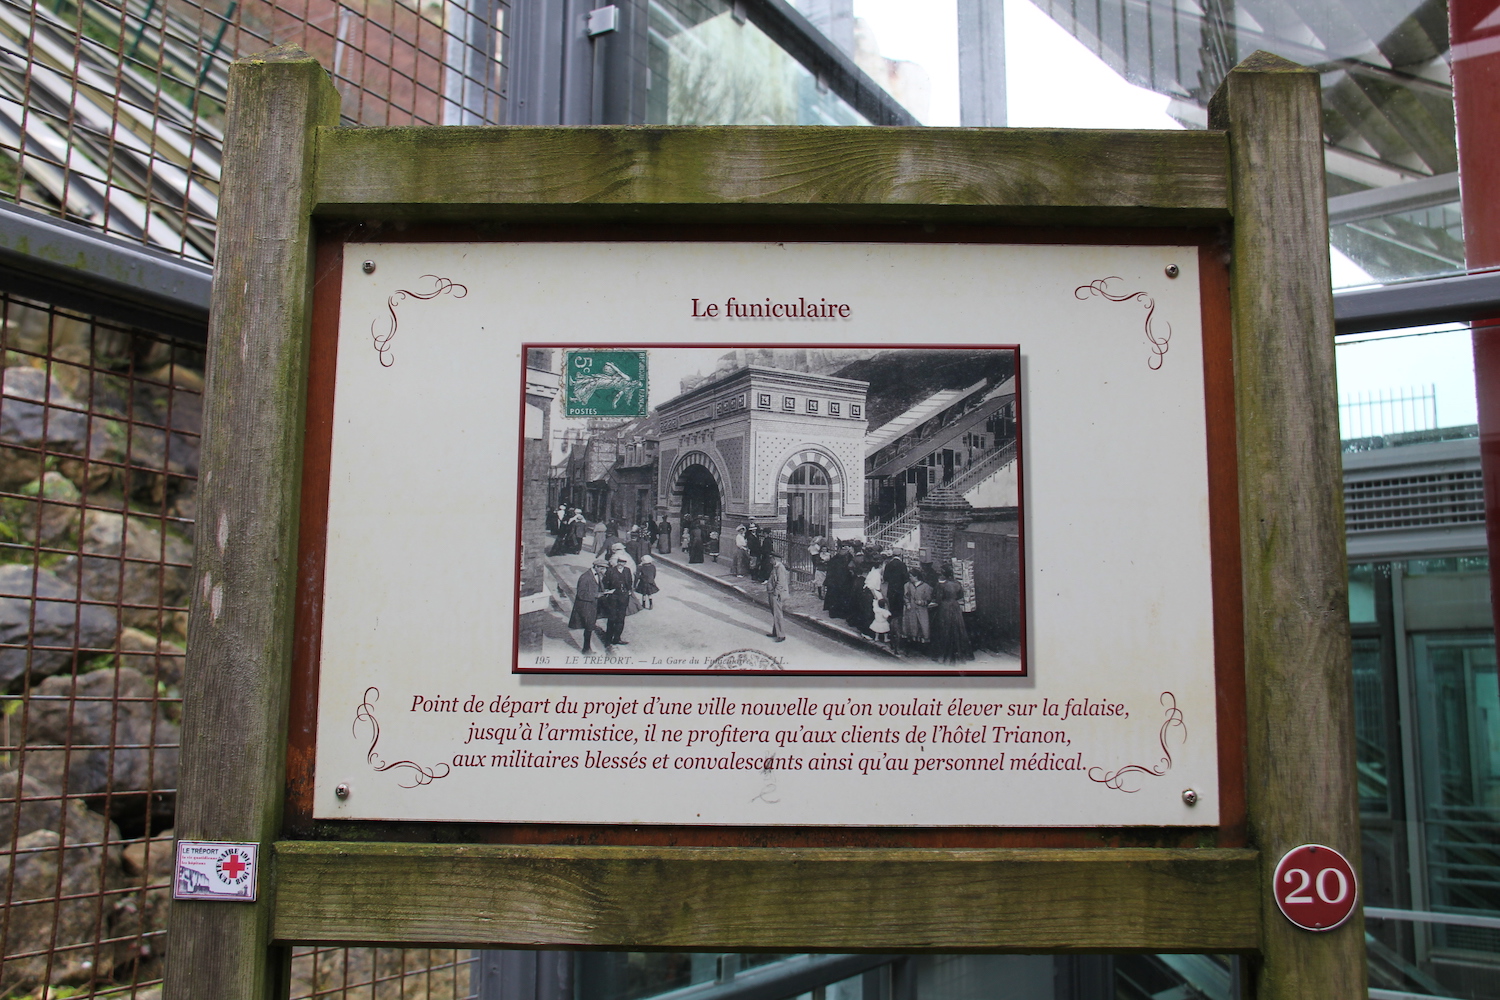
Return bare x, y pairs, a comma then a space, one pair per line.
231, 867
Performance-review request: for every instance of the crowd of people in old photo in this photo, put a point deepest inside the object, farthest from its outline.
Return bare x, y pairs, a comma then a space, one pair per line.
912, 606
570, 528
916, 609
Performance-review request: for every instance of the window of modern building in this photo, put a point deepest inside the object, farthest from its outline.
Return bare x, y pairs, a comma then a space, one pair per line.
708, 66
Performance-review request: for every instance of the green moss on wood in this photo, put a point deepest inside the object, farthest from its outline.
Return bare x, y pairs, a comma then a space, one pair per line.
711, 899
1171, 177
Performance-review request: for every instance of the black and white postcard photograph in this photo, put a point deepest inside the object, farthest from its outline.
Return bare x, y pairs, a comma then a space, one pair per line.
807, 509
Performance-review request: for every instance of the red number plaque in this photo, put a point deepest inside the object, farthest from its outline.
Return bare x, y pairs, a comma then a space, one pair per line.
1315, 887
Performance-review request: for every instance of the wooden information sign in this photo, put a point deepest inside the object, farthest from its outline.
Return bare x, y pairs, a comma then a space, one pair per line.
798, 539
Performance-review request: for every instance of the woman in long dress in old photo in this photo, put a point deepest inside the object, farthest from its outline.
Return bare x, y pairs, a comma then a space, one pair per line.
664, 536
866, 597
741, 564
839, 584
645, 582
950, 643
569, 540
695, 540
916, 620
560, 545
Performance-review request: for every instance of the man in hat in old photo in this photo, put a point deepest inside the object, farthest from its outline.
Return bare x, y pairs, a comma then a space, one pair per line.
741, 563
616, 585
586, 601
778, 589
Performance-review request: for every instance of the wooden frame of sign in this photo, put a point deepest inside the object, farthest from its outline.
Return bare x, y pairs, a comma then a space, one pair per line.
1249, 193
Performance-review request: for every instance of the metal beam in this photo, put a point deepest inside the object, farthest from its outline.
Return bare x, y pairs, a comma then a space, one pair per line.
79, 268
1408, 196
1460, 299
981, 63
830, 64
1430, 917
779, 980
524, 975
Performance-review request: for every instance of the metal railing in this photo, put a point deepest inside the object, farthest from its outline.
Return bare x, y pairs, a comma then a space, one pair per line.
1379, 412
894, 527
900, 524
1404, 980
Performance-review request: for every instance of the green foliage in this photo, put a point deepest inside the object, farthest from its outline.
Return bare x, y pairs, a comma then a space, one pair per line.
18, 520
15, 517
52, 487
10, 174
117, 433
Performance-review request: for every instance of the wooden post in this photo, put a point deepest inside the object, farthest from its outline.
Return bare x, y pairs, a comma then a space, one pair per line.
239, 650
1299, 699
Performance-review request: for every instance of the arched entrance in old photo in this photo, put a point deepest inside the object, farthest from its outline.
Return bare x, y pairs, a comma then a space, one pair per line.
700, 492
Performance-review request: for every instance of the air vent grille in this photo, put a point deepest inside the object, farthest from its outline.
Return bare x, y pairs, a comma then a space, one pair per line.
1418, 500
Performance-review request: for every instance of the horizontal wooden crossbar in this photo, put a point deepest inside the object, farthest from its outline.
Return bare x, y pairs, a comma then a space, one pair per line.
774, 174
735, 899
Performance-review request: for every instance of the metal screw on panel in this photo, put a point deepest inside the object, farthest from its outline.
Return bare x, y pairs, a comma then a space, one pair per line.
342, 791
369, 267
1189, 796
1172, 269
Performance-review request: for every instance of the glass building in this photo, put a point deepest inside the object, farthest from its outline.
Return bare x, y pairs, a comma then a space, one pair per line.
111, 117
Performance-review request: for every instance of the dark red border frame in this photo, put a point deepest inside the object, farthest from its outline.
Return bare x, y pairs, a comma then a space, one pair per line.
516, 667
1224, 544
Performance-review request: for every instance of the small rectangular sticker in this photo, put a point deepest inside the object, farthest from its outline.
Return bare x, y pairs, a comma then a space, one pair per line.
208, 869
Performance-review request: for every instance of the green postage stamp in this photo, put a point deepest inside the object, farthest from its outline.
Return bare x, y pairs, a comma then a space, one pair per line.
605, 383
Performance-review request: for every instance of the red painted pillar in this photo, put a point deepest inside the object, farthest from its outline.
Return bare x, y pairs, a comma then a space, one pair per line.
1475, 28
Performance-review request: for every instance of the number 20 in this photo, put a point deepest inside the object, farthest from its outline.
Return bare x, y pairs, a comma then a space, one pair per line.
1299, 894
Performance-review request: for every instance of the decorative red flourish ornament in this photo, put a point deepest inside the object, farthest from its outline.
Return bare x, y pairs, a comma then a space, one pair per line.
418, 773
1118, 778
1159, 341
382, 339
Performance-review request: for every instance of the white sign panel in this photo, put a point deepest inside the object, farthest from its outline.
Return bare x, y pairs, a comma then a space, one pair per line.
768, 534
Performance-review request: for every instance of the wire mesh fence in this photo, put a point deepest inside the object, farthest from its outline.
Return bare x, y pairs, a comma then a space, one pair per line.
383, 974
111, 113
99, 444
99, 430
